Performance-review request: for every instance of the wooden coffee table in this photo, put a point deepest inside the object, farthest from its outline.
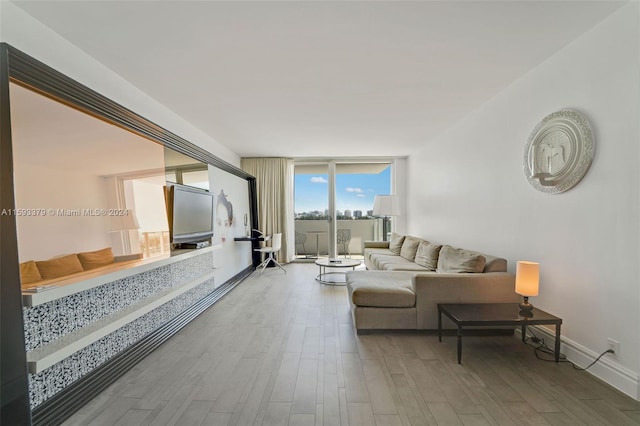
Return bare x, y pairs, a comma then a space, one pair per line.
486, 314
325, 277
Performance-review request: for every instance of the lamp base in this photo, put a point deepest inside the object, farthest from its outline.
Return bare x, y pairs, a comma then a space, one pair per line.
525, 314
526, 308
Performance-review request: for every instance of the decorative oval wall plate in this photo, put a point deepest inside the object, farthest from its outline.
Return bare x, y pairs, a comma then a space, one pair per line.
559, 151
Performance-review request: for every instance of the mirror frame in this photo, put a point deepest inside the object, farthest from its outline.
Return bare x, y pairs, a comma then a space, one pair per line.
22, 69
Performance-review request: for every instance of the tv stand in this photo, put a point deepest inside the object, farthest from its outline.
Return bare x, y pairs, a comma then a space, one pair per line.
196, 245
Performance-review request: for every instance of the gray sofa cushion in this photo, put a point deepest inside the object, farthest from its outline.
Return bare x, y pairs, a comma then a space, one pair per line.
409, 248
377, 257
495, 264
455, 260
380, 259
392, 262
381, 289
405, 266
396, 243
427, 255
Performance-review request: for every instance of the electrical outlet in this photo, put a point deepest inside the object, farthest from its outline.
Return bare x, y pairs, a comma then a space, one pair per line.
614, 345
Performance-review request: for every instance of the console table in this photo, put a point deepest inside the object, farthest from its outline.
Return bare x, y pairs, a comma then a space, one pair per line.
254, 240
488, 314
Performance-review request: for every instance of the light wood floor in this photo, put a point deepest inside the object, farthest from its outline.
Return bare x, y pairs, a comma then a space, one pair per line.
281, 350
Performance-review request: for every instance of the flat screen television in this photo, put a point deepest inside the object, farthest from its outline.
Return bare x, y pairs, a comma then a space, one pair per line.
190, 212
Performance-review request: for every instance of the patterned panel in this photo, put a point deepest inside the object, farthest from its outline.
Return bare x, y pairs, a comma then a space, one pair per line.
46, 384
49, 321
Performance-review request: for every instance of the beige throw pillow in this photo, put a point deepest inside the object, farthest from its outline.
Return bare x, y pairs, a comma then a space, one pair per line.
396, 243
29, 272
96, 259
455, 260
59, 267
427, 255
409, 248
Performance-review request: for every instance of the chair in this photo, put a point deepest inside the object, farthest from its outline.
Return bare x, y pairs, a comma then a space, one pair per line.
301, 238
276, 243
344, 238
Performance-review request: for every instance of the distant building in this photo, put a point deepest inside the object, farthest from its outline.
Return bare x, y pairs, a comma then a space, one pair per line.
357, 213
370, 213
347, 213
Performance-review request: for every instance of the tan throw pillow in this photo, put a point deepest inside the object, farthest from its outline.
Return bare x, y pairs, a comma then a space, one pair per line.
29, 272
59, 267
409, 248
396, 243
96, 259
427, 255
455, 260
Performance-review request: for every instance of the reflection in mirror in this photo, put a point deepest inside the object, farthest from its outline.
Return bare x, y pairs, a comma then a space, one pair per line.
185, 170
89, 194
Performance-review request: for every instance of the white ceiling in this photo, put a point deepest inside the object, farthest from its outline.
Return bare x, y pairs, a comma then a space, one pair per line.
305, 78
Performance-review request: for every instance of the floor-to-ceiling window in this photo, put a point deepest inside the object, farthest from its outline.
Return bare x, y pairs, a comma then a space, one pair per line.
333, 204
311, 209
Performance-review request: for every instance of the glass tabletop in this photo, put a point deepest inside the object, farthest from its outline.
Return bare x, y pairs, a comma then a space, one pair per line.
494, 312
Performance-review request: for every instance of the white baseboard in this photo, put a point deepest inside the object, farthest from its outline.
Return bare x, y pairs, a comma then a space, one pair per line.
606, 369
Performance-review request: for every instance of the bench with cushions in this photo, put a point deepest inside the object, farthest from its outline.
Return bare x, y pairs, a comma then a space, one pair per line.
44, 272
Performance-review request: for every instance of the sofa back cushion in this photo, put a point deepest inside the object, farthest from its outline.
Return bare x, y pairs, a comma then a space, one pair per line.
396, 243
455, 260
427, 255
59, 267
495, 264
96, 259
29, 272
409, 248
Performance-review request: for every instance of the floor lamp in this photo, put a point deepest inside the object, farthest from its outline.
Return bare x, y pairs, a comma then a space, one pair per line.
385, 206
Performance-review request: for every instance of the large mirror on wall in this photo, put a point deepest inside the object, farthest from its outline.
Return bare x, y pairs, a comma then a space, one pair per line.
89, 188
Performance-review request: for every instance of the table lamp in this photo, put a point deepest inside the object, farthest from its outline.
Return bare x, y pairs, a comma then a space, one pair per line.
125, 222
527, 283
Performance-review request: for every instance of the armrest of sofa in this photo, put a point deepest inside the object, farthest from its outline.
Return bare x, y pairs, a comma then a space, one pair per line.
376, 244
434, 288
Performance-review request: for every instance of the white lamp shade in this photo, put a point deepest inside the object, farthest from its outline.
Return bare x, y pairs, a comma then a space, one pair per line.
386, 205
527, 278
124, 222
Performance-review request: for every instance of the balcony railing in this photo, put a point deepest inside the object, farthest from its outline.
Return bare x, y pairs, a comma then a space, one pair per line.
361, 230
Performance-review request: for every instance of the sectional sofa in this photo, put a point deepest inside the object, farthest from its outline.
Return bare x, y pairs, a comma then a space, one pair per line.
407, 277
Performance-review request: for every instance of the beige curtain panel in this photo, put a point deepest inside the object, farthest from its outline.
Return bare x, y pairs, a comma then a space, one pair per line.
274, 192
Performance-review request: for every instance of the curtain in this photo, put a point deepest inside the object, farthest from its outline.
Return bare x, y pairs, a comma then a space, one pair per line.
274, 193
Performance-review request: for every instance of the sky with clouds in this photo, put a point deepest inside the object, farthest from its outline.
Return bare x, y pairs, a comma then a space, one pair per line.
353, 191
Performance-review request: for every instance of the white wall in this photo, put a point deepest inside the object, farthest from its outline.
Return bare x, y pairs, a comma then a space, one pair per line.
399, 188
44, 237
467, 188
230, 257
27, 34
